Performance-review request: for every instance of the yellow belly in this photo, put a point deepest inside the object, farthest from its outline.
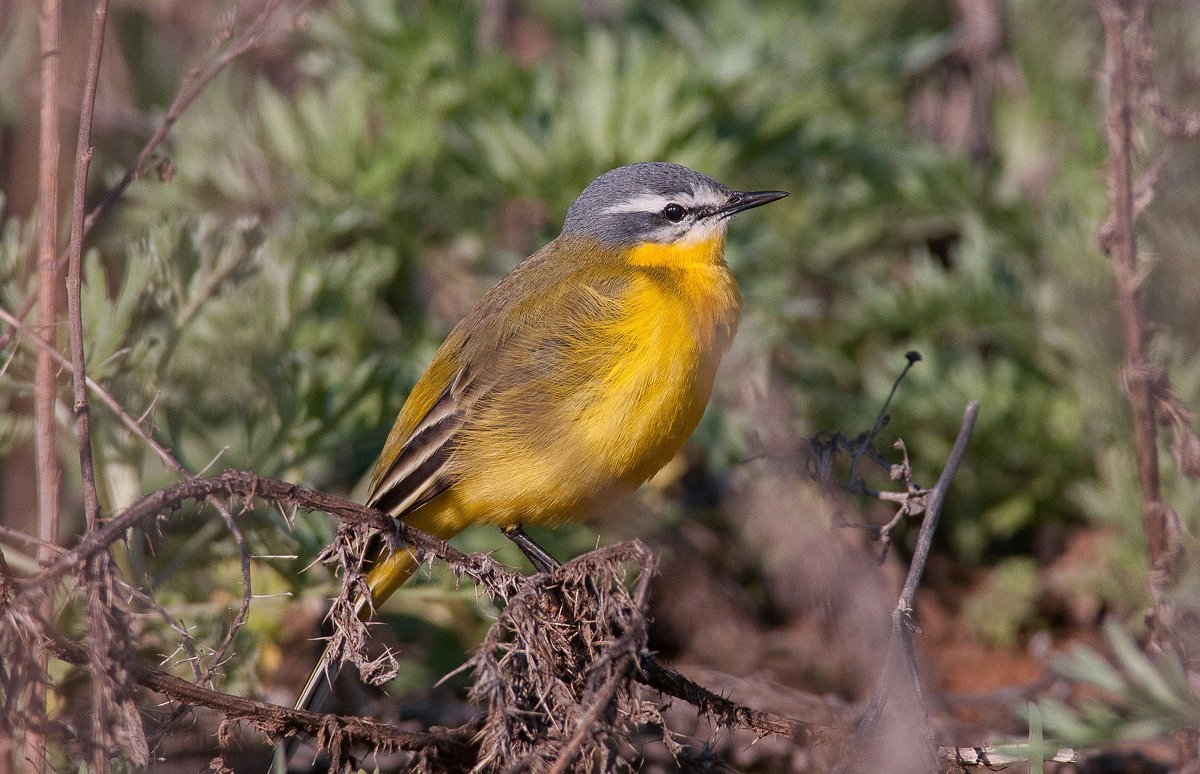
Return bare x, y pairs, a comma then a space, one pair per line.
639, 394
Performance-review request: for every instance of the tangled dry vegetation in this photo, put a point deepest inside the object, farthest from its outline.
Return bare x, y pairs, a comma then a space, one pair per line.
560, 674
565, 679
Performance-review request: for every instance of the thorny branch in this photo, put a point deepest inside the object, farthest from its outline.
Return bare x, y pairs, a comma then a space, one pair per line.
273, 719
481, 568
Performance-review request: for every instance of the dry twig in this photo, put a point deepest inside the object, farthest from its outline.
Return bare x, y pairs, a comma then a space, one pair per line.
899, 663
335, 732
114, 714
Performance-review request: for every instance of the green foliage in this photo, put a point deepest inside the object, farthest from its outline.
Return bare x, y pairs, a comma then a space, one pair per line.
1037, 753
997, 614
1133, 696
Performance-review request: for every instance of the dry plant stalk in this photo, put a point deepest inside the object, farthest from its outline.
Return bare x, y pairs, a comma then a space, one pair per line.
1132, 93
49, 468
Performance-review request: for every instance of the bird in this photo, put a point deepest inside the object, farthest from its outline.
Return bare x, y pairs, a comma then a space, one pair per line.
573, 380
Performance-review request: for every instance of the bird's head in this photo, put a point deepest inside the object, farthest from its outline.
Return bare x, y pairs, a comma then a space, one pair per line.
655, 203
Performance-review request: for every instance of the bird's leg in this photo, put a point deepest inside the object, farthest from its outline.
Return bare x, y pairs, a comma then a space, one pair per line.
542, 561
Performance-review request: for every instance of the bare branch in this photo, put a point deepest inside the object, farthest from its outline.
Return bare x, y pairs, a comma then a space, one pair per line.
273, 719
198, 80
83, 159
730, 713
49, 469
1126, 72
110, 699
933, 506
899, 663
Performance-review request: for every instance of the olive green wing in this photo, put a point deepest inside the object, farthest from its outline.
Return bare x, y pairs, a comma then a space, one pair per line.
500, 339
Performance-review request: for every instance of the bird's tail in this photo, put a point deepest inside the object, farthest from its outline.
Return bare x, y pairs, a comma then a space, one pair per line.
388, 573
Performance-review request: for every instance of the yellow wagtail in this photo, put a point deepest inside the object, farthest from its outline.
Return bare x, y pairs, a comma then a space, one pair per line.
574, 379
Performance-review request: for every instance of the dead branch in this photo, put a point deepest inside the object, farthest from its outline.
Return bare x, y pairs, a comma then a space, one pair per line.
556, 672
624, 652
602, 693
899, 663
83, 159
730, 713
335, 731
1127, 75
112, 703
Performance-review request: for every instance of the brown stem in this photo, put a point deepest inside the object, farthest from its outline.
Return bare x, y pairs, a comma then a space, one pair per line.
1118, 239
933, 506
102, 686
48, 468
899, 661
272, 718
240, 484
83, 159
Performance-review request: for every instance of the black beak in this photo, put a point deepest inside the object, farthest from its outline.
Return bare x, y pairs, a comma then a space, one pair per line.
744, 200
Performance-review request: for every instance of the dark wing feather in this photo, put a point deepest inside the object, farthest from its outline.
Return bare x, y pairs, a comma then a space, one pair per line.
418, 473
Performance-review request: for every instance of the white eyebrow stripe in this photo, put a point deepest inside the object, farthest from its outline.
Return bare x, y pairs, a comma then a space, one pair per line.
645, 202
654, 202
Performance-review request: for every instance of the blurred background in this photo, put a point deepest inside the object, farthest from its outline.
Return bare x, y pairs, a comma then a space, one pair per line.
339, 197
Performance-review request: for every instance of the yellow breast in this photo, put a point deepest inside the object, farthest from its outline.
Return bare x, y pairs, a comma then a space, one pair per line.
632, 392
678, 322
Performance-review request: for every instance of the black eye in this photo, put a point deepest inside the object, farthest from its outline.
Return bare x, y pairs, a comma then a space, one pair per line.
674, 212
